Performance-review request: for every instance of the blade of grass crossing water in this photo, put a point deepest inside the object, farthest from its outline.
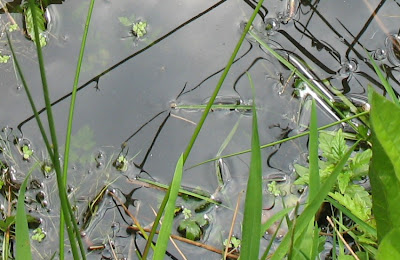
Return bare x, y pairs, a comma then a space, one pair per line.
31, 102
274, 219
385, 83
70, 118
253, 201
165, 231
73, 231
23, 250
284, 140
313, 154
304, 219
206, 111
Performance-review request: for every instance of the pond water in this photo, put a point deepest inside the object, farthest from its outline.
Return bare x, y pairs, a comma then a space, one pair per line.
137, 96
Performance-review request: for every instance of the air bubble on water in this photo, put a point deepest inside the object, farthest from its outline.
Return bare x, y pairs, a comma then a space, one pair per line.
379, 54
271, 25
348, 67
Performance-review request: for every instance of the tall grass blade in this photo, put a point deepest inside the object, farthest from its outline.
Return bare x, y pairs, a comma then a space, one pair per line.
313, 154
384, 81
304, 219
165, 231
73, 231
274, 219
219, 84
23, 250
205, 113
31, 102
70, 119
253, 201
285, 139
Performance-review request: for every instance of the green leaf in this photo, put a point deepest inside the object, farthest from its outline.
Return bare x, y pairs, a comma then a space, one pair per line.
4, 58
333, 145
359, 165
38, 235
360, 204
253, 201
385, 166
313, 154
309, 212
40, 21
125, 21
5, 224
389, 248
190, 229
172, 193
23, 250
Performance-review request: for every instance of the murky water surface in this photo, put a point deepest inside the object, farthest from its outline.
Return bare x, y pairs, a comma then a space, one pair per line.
140, 98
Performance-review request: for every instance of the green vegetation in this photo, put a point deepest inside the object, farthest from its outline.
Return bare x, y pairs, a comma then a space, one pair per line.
333, 177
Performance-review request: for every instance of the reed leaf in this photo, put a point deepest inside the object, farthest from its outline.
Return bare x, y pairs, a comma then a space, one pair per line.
70, 120
23, 245
165, 231
253, 202
313, 154
204, 116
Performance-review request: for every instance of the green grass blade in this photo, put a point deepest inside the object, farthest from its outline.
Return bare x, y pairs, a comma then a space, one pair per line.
274, 218
165, 231
205, 113
31, 102
314, 250
253, 202
313, 154
283, 140
70, 120
384, 81
23, 246
304, 219
271, 241
73, 231
183, 191
219, 84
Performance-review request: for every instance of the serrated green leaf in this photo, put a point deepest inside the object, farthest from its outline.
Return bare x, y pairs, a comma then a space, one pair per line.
343, 181
359, 164
41, 23
333, 145
360, 205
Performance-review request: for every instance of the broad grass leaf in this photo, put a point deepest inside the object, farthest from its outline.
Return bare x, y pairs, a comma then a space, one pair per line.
253, 201
23, 250
389, 248
385, 166
313, 154
165, 231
